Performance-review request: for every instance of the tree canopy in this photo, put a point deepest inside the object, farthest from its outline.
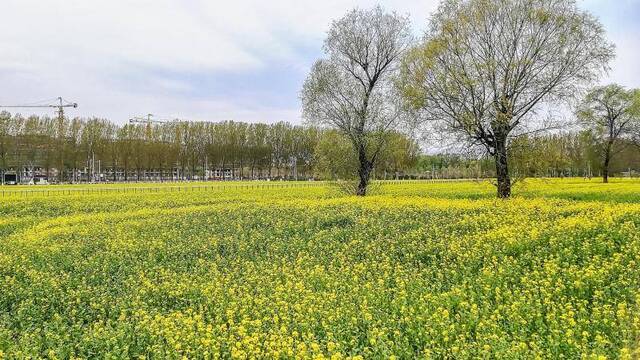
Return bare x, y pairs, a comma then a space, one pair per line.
486, 67
351, 89
611, 113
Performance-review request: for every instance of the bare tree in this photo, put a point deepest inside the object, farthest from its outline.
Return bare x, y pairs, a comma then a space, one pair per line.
7, 139
351, 90
609, 112
488, 67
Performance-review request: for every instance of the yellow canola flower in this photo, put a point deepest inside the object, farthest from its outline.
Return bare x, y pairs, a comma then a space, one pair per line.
416, 271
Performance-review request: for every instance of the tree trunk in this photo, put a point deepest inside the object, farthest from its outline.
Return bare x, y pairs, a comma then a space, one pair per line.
364, 171
502, 168
605, 166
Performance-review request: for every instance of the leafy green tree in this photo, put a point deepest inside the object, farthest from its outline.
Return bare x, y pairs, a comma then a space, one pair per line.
335, 157
7, 138
486, 67
400, 153
609, 112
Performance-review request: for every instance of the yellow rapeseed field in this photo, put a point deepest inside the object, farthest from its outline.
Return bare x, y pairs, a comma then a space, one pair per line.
416, 270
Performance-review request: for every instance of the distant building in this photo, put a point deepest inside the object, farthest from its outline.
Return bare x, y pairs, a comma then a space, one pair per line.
222, 174
29, 175
10, 178
39, 180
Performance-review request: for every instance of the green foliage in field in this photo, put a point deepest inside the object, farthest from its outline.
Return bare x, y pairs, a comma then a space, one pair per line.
420, 270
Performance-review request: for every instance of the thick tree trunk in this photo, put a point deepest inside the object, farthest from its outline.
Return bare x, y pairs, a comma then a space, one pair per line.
61, 168
502, 168
605, 166
607, 162
364, 172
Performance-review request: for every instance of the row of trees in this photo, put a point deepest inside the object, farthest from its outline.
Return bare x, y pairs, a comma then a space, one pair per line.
566, 154
83, 150
484, 74
608, 142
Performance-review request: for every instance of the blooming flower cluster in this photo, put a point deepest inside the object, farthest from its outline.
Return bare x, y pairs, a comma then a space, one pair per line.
416, 270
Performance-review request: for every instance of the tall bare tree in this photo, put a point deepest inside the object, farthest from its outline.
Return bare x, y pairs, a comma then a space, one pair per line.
486, 67
7, 139
351, 89
610, 113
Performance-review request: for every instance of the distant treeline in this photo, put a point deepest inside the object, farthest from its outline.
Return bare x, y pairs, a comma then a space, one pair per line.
567, 154
77, 150
100, 150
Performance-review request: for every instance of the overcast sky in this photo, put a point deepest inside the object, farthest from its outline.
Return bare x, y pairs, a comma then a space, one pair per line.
202, 59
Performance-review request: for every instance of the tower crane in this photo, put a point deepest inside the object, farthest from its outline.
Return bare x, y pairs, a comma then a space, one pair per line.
144, 120
60, 106
147, 119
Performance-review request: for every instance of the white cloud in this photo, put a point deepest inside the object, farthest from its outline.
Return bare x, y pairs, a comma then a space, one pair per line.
625, 69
